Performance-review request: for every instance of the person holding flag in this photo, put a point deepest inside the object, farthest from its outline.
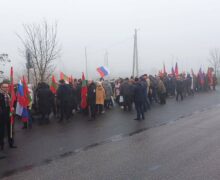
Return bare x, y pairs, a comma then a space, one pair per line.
5, 110
28, 95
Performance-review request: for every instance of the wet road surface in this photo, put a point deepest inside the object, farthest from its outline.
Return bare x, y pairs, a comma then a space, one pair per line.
50, 143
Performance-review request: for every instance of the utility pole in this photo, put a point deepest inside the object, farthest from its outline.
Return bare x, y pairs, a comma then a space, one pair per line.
86, 63
135, 57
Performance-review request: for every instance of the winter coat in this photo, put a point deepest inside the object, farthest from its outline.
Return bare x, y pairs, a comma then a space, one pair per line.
139, 93
108, 90
100, 95
126, 89
91, 96
161, 87
144, 84
64, 93
179, 86
4, 111
45, 99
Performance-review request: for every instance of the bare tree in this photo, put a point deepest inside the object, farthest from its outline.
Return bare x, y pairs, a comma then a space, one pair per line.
41, 40
214, 59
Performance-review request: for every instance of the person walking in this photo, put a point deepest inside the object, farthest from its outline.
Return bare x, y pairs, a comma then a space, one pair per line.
161, 91
64, 99
139, 99
91, 99
100, 98
45, 98
179, 88
5, 124
127, 92
108, 92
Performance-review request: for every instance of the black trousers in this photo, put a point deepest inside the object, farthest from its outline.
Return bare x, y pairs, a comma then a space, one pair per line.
127, 103
107, 103
162, 98
92, 108
5, 126
139, 106
179, 93
99, 108
65, 110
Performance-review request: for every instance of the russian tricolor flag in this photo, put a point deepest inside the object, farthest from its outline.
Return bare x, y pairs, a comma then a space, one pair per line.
103, 71
21, 108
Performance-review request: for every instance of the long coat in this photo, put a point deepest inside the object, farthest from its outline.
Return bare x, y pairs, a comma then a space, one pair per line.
161, 87
108, 90
139, 93
45, 99
91, 97
100, 95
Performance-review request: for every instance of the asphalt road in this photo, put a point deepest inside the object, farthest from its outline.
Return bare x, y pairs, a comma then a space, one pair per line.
72, 142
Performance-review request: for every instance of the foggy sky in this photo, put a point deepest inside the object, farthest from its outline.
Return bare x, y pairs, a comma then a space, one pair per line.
168, 31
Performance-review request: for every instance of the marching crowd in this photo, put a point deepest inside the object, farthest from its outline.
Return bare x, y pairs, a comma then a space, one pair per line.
93, 98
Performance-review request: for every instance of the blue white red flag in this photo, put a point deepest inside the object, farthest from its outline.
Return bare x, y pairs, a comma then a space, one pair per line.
21, 108
103, 71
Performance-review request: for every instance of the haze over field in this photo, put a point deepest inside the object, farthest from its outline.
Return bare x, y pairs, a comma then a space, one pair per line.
169, 31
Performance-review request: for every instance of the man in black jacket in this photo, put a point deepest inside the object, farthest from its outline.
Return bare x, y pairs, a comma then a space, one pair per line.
139, 99
179, 88
91, 99
45, 101
126, 91
5, 124
64, 97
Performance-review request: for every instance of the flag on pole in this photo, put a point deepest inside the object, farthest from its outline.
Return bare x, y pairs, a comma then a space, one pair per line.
26, 93
84, 92
54, 85
64, 77
160, 73
13, 96
21, 108
103, 71
176, 70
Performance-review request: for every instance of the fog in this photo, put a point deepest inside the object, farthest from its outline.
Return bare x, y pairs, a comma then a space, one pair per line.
168, 31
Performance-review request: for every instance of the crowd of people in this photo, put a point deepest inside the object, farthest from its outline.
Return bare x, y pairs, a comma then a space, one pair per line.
128, 93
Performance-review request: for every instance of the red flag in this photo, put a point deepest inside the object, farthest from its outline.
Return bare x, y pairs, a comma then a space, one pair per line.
176, 70
28, 100
26, 93
84, 93
64, 77
13, 97
54, 85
